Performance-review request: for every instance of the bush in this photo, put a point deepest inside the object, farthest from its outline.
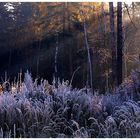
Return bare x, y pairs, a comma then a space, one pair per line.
41, 110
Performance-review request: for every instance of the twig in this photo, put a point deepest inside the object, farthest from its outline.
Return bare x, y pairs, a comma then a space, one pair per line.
74, 75
129, 15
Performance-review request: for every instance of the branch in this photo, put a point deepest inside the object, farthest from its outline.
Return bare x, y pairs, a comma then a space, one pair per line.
74, 74
129, 15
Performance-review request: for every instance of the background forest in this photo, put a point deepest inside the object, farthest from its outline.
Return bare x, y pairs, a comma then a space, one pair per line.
49, 40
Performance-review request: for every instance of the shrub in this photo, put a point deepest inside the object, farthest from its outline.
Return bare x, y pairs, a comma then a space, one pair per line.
41, 110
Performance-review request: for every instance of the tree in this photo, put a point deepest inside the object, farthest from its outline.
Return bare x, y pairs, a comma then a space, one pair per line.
112, 43
56, 63
89, 56
119, 43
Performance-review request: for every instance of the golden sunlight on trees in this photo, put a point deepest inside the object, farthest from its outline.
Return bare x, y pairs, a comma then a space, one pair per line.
45, 22
72, 33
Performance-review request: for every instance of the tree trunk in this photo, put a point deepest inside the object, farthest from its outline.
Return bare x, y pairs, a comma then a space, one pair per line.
69, 30
89, 57
68, 17
104, 25
10, 58
38, 58
119, 43
56, 63
64, 16
112, 43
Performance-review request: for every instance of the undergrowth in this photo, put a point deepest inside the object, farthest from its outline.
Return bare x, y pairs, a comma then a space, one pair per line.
29, 109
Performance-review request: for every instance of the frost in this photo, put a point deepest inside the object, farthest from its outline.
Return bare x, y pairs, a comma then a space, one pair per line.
41, 110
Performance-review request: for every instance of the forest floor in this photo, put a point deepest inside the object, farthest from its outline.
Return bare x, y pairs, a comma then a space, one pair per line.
40, 110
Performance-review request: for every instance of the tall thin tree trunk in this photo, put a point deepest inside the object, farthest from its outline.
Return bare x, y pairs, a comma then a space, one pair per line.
125, 63
125, 57
105, 24
68, 16
38, 58
10, 57
119, 43
55, 63
64, 16
69, 30
70, 60
112, 43
89, 57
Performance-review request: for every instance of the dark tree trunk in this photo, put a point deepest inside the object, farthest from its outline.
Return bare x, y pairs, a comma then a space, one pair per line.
38, 58
68, 16
112, 43
119, 43
64, 16
56, 63
69, 30
10, 57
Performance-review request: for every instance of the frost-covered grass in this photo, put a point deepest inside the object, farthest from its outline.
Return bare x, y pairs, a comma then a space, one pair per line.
41, 110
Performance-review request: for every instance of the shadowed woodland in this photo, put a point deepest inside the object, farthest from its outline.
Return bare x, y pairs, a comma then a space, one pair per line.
58, 40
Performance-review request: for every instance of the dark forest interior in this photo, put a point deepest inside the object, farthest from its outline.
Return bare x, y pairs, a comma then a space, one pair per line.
30, 33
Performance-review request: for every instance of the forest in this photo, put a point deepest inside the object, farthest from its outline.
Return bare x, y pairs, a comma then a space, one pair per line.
69, 70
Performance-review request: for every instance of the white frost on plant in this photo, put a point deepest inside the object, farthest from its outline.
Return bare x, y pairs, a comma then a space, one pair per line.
28, 81
44, 110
